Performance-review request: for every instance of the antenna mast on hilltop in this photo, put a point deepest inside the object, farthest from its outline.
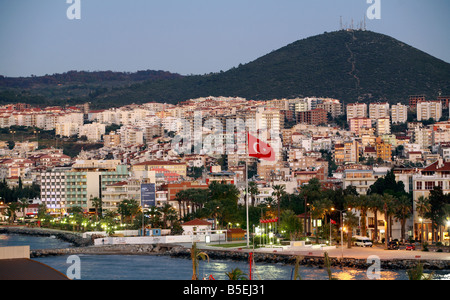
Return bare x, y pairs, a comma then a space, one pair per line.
342, 26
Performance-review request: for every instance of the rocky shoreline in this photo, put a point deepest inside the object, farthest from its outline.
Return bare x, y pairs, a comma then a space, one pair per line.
85, 246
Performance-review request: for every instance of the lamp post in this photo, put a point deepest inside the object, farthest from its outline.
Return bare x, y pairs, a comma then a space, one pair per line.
342, 229
421, 229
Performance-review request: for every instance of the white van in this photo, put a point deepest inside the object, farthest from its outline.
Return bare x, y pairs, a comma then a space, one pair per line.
362, 241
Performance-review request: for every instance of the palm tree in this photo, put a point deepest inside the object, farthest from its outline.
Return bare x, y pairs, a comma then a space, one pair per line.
351, 221
253, 191
416, 273
168, 213
361, 203
11, 211
319, 210
195, 255
23, 204
236, 274
97, 203
128, 208
423, 207
375, 205
403, 212
389, 207
278, 191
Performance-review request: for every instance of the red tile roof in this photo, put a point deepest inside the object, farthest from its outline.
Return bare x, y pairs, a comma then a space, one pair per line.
197, 222
435, 167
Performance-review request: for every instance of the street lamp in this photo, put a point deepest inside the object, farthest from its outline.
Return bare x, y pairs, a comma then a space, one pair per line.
342, 228
421, 229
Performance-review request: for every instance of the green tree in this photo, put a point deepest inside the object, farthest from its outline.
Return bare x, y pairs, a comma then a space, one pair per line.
278, 191
291, 225
23, 205
253, 191
437, 212
195, 256
226, 197
351, 221
423, 208
375, 204
236, 274
128, 209
97, 203
11, 210
403, 212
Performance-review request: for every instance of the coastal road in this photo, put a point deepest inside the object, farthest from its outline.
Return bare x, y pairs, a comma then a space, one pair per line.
364, 253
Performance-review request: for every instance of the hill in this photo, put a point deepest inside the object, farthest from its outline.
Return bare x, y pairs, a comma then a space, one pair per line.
348, 65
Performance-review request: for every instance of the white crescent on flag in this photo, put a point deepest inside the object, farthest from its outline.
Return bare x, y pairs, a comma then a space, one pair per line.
259, 149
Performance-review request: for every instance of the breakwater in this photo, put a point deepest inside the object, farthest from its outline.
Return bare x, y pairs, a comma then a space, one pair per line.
73, 238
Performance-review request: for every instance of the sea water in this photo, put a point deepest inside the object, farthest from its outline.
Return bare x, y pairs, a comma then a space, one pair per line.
155, 267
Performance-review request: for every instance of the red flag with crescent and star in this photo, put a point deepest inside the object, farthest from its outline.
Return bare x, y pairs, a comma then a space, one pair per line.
259, 149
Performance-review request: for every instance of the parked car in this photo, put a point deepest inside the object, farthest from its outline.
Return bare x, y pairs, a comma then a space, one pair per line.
393, 245
363, 241
411, 247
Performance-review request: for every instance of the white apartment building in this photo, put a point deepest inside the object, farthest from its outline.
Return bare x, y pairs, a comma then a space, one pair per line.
379, 110
436, 174
66, 129
383, 126
423, 137
440, 136
356, 110
93, 132
130, 135
53, 189
399, 113
429, 110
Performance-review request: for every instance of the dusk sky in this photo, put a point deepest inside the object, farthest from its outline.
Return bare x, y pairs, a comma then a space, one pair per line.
193, 36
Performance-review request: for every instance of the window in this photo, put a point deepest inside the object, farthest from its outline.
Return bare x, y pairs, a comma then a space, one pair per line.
429, 185
419, 185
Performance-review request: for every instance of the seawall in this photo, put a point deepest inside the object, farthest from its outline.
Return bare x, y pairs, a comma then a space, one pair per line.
74, 238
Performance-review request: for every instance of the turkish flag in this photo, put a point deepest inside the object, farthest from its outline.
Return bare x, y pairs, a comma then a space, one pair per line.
259, 149
332, 221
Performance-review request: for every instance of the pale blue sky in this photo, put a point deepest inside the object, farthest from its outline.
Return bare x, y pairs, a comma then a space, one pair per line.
193, 36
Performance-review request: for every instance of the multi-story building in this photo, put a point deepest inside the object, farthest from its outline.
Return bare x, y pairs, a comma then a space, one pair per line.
141, 170
423, 137
362, 179
379, 110
399, 113
434, 175
383, 126
347, 152
384, 150
357, 123
53, 190
331, 106
414, 100
312, 117
88, 179
429, 110
93, 132
111, 140
356, 110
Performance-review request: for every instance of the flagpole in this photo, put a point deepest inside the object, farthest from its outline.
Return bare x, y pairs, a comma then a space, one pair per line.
246, 195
